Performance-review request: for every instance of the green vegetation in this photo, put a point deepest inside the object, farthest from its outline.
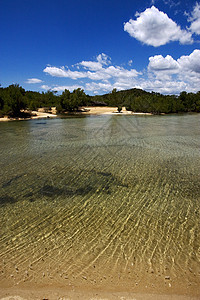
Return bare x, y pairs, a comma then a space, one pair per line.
140, 101
14, 99
72, 101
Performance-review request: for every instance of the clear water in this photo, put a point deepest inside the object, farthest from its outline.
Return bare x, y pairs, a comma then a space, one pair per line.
101, 201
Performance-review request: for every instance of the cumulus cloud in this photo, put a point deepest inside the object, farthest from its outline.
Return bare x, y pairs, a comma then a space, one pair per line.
62, 72
103, 59
45, 87
165, 87
120, 84
98, 70
155, 28
194, 18
60, 88
121, 72
93, 86
91, 65
160, 63
101, 75
33, 80
125, 84
191, 62
167, 75
163, 74
101, 72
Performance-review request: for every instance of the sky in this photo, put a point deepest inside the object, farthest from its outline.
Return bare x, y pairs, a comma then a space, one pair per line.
98, 45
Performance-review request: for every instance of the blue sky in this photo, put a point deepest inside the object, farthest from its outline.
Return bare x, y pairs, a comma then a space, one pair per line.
99, 45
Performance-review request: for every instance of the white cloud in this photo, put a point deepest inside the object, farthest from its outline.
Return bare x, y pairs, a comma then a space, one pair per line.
93, 86
119, 84
163, 74
164, 87
60, 88
101, 75
103, 59
191, 62
195, 19
97, 70
121, 72
45, 87
125, 84
66, 87
33, 80
167, 75
91, 65
62, 72
155, 28
160, 63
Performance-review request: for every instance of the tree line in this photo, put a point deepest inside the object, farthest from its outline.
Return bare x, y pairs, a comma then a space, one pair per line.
138, 100
14, 100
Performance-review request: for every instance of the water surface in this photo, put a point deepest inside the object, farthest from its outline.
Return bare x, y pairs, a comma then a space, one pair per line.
102, 201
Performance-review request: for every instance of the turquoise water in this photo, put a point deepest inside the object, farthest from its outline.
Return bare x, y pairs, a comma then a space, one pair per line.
101, 200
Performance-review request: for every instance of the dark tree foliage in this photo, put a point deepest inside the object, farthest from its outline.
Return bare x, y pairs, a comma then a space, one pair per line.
72, 101
138, 100
14, 99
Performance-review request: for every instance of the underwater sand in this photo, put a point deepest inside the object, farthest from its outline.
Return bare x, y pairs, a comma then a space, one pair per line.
101, 203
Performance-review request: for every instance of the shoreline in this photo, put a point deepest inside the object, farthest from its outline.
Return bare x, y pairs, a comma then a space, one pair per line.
89, 287
87, 110
107, 110
36, 115
61, 293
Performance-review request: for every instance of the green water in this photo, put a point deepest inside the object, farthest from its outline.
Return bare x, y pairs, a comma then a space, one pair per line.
103, 200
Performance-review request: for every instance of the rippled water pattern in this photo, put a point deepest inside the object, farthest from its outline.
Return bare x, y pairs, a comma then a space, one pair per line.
111, 200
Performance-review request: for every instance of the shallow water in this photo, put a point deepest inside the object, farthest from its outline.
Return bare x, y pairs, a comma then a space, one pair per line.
101, 201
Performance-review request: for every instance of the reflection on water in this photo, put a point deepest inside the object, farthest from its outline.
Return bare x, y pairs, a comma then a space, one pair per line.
110, 200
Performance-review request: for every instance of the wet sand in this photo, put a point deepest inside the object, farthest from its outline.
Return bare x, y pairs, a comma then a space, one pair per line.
53, 293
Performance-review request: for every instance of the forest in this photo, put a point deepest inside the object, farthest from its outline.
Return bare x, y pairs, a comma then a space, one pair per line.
14, 100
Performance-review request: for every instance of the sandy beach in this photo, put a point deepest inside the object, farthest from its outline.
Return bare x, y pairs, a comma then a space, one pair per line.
105, 110
53, 293
36, 115
93, 287
89, 110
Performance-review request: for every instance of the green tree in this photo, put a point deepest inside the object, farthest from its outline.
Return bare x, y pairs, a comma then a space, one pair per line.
116, 99
72, 101
15, 100
1, 99
64, 100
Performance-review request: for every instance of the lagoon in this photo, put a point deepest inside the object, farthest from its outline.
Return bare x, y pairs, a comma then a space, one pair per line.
101, 202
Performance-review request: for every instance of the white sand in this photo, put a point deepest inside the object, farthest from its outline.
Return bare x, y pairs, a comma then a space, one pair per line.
36, 115
87, 110
105, 110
